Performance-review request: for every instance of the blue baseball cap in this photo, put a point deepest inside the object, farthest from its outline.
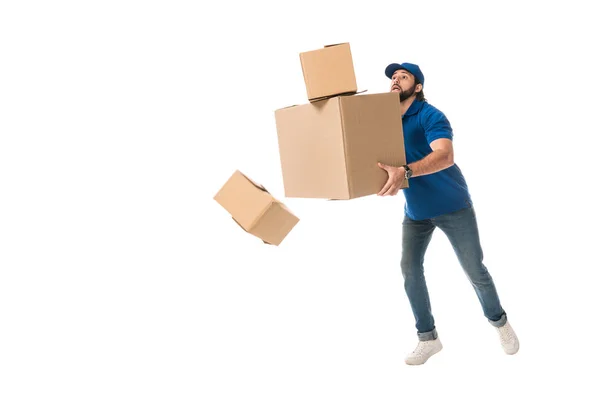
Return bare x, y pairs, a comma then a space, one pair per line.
412, 68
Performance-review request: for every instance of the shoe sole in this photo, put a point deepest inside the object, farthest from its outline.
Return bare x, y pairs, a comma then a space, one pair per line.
431, 355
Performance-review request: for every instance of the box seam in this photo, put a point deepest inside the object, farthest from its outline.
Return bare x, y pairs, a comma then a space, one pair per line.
345, 143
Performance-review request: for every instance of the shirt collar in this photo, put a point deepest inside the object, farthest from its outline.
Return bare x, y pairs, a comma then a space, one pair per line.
414, 108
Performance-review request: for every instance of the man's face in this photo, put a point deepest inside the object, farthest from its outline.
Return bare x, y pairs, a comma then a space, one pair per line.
404, 83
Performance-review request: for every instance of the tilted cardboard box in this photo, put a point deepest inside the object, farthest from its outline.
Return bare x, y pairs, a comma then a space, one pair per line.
328, 71
255, 209
330, 148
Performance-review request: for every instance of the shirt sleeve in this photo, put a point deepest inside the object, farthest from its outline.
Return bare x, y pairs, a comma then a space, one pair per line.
436, 126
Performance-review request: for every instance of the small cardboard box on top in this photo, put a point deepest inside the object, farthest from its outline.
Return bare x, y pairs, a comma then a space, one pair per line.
328, 71
255, 209
330, 148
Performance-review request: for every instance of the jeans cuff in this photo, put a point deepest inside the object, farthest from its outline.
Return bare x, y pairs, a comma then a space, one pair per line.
431, 335
499, 323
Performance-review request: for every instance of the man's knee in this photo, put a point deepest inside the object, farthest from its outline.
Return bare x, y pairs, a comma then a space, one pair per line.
478, 274
410, 266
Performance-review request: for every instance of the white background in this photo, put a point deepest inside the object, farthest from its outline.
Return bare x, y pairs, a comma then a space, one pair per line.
122, 278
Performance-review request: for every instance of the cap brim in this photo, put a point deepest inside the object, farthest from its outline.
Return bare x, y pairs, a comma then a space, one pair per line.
390, 69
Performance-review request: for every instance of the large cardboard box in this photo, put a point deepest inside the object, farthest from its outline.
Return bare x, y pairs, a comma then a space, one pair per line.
255, 209
330, 148
328, 71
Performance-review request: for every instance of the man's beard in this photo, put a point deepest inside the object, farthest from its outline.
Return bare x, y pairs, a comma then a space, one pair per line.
405, 95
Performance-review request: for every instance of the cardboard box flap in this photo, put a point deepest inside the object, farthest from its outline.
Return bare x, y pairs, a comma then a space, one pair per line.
336, 95
336, 44
283, 108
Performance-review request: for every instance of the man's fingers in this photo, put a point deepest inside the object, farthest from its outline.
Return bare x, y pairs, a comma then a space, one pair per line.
392, 186
385, 187
391, 191
383, 190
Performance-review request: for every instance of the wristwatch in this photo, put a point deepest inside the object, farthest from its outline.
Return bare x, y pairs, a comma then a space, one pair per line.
407, 171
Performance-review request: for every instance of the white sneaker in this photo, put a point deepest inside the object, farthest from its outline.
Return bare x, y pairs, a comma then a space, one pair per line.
508, 339
424, 350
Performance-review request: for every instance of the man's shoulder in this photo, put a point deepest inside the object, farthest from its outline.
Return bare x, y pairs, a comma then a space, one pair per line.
429, 109
431, 113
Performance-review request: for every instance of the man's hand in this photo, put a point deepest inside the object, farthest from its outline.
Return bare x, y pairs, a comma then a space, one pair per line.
394, 182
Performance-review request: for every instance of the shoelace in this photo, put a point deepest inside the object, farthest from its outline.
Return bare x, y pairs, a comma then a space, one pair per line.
420, 350
506, 334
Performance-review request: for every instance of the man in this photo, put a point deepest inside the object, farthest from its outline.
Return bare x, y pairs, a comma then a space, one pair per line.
437, 197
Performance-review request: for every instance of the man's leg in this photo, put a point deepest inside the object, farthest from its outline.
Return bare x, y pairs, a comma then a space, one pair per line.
461, 229
416, 235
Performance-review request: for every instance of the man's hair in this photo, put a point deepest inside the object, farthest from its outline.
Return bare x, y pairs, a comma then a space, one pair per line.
420, 96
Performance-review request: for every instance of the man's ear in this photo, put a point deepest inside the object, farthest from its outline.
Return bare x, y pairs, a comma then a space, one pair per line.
418, 88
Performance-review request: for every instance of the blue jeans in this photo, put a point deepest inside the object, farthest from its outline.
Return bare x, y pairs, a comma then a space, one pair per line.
461, 229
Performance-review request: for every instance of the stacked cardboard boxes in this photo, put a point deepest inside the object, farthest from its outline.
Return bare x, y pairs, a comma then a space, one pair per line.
329, 148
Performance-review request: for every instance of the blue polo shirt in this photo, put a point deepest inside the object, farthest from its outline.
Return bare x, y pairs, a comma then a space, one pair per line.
443, 192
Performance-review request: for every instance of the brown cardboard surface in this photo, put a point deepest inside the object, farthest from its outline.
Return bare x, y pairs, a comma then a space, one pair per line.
255, 209
311, 150
330, 148
328, 71
372, 133
275, 224
243, 200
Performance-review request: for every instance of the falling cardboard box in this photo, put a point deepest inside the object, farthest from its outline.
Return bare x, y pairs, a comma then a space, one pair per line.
255, 210
330, 148
328, 71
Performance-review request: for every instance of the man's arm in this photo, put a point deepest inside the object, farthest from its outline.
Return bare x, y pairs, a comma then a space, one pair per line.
439, 159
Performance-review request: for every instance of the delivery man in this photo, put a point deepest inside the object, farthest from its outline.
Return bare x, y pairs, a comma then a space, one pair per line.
437, 197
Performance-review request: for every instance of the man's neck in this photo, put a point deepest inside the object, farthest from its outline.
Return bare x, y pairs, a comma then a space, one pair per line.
404, 105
